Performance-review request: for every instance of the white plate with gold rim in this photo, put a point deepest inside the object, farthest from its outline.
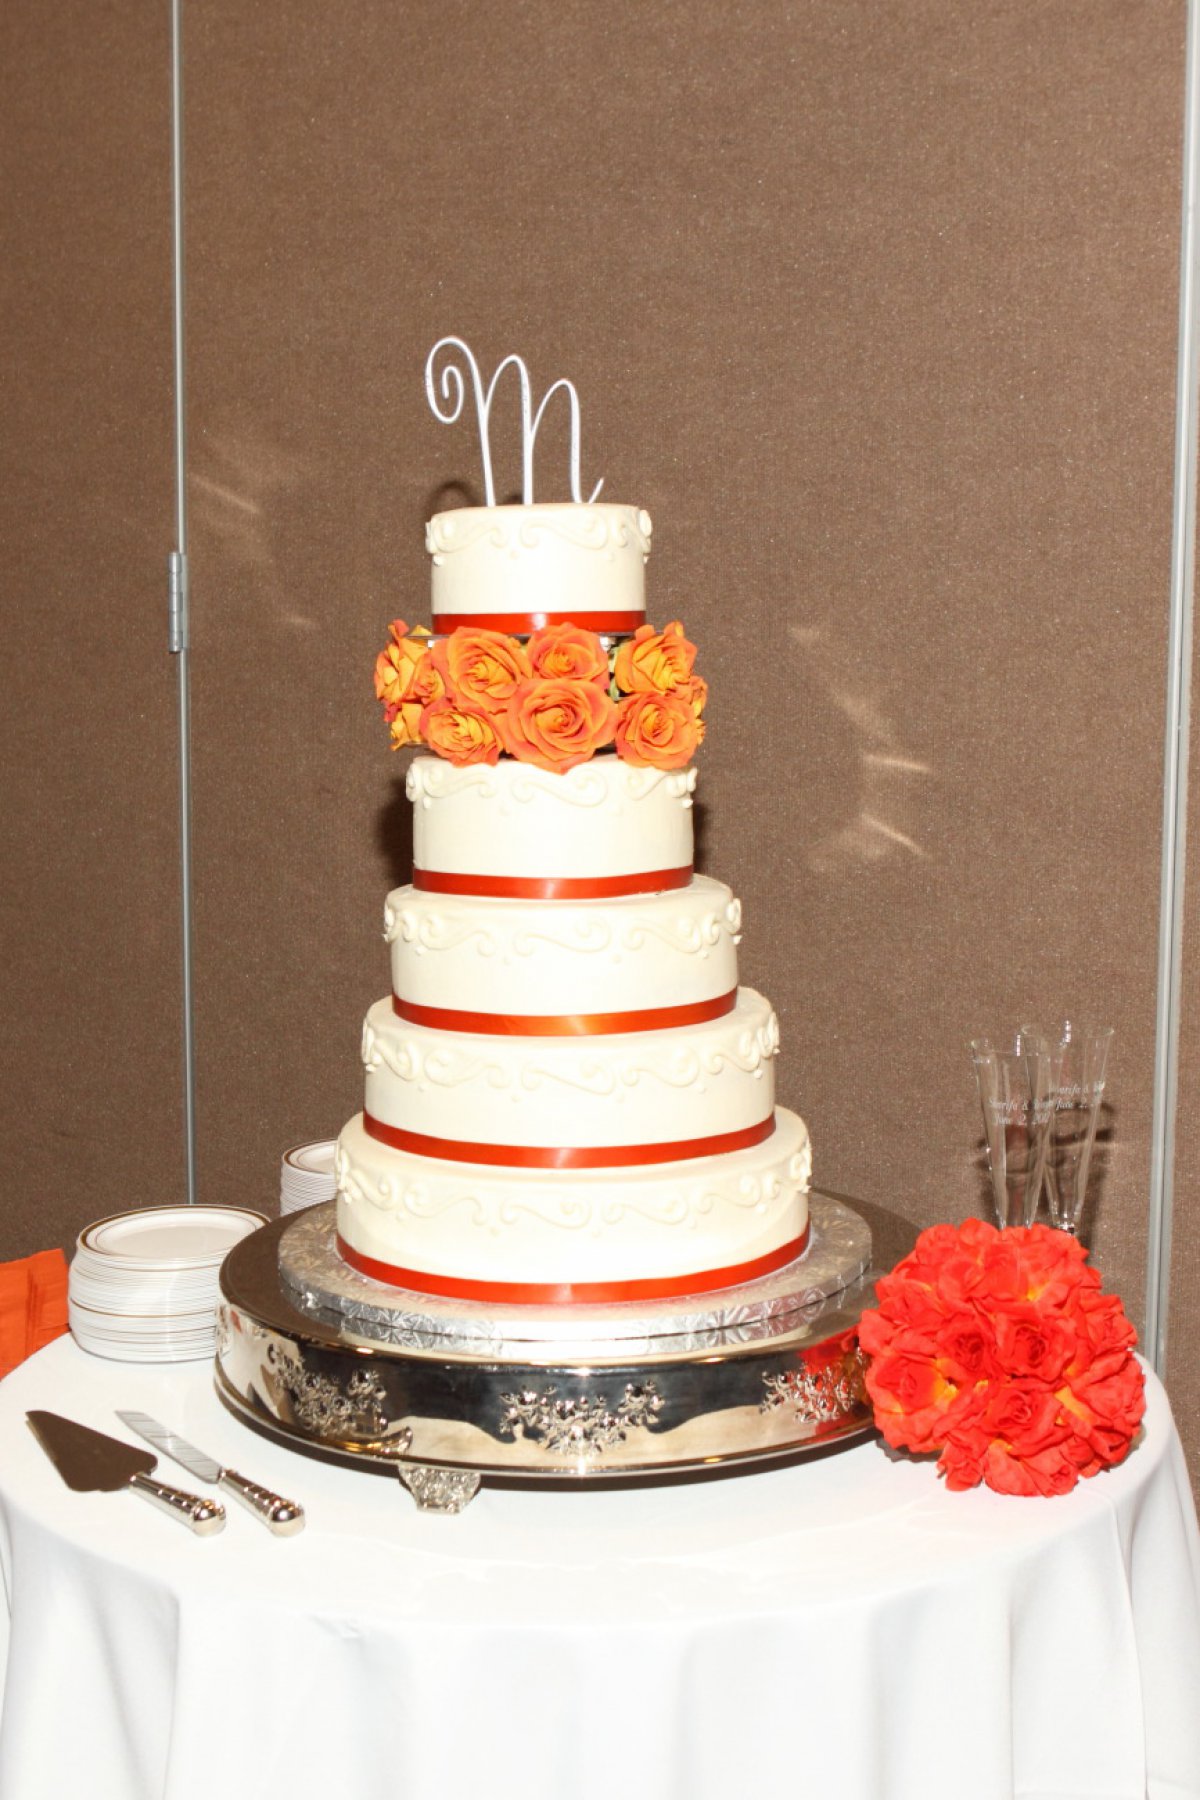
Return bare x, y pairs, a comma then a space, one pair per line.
169, 1237
143, 1286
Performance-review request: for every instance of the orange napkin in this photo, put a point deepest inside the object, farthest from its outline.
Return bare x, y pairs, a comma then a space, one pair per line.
33, 1305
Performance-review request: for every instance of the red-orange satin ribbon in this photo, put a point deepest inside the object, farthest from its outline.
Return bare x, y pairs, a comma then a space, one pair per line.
608, 624
572, 1293
552, 887
566, 1156
650, 1018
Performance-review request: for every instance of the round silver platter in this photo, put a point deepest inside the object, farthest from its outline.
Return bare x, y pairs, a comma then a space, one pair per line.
447, 1393
324, 1287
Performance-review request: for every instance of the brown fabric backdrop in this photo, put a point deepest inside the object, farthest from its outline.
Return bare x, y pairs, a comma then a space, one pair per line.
873, 308
91, 1113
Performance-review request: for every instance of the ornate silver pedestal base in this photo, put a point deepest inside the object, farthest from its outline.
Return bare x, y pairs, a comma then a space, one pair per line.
762, 1384
440, 1490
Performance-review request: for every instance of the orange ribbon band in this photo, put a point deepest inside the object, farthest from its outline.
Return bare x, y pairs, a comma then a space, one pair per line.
609, 624
572, 1293
552, 887
566, 1156
650, 1018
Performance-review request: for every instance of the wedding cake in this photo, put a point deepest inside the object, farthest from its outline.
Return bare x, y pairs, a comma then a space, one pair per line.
569, 1098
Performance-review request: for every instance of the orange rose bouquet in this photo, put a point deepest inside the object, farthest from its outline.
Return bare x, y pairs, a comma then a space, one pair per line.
553, 701
998, 1351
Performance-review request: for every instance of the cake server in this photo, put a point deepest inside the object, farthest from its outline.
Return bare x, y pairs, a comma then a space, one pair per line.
281, 1516
91, 1463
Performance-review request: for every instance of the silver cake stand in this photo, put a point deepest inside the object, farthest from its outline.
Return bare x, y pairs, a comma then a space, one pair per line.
449, 1393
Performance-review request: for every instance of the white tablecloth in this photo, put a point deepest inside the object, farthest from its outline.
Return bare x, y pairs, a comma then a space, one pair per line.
843, 1628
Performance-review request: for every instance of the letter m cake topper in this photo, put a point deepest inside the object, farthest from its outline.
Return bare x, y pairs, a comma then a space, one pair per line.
447, 392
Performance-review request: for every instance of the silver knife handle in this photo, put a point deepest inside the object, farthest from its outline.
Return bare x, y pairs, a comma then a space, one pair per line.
203, 1516
281, 1516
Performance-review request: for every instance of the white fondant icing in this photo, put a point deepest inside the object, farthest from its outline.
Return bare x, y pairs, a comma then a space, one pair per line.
539, 559
640, 952
603, 819
645, 1087
592, 1225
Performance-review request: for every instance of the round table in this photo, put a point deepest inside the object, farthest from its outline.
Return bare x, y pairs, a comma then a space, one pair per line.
842, 1627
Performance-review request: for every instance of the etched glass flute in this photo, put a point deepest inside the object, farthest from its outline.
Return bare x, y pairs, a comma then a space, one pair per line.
1078, 1055
1014, 1091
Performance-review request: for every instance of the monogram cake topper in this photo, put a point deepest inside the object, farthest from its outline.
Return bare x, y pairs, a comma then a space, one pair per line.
447, 391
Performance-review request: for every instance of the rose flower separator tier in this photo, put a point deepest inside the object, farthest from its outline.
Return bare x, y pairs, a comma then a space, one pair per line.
569, 1098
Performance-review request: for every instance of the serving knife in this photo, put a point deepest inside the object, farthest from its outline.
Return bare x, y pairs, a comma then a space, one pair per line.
284, 1517
91, 1463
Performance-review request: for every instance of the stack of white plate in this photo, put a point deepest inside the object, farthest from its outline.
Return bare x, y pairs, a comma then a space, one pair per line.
306, 1176
143, 1286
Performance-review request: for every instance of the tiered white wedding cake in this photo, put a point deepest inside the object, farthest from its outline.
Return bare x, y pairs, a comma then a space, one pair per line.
568, 1096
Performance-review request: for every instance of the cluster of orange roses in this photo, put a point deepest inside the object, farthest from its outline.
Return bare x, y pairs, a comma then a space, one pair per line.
553, 700
998, 1350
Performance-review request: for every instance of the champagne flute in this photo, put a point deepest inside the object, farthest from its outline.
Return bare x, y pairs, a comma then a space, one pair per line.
1014, 1076
1078, 1054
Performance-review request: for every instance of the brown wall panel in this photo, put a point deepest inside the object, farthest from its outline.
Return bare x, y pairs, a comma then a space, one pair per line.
91, 1106
873, 308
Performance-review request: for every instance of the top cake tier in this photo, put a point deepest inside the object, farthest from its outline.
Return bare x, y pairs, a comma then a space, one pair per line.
518, 568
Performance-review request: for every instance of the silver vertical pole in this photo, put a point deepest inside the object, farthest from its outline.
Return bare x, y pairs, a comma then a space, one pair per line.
1179, 664
178, 603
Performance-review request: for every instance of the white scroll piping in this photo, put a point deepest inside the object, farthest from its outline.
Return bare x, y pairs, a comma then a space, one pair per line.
452, 390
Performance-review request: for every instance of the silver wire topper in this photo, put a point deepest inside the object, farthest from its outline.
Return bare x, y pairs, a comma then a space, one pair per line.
447, 391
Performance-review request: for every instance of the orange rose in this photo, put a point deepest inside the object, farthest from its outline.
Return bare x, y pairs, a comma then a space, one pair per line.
568, 653
1102, 1321
557, 724
654, 662
481, 668
1105, 1407
966, 1351
963, 1456
910, 1396
1034, 1344
657, 731
395, 669
391, 677
696, 691
1029, 1449
405, 726
462, 734
425, 684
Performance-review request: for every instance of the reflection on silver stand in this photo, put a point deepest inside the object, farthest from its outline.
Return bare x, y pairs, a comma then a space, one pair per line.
448, 1393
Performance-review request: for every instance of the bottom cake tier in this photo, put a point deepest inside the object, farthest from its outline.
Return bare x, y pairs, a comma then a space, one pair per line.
554, 1237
